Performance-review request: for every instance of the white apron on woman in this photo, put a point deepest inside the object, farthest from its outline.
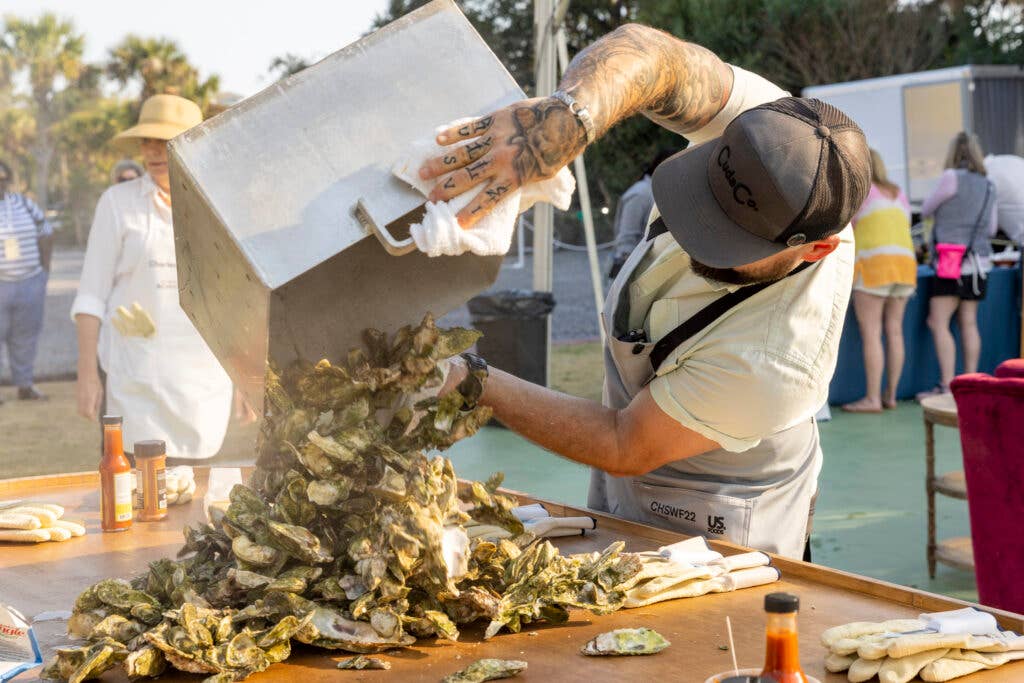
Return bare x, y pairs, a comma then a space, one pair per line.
167, 386
761, 496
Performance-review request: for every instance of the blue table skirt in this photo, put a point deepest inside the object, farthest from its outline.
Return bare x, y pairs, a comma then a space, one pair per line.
998, 321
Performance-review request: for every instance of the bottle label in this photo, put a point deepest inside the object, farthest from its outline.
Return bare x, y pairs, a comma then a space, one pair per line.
161, 489
123, 497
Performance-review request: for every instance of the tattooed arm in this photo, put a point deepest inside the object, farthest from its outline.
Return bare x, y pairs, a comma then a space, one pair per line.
635, 69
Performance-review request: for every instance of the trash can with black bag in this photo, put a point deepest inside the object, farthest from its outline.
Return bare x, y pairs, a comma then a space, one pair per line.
514, 325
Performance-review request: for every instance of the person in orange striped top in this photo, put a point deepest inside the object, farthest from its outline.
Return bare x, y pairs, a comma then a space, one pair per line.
885, 275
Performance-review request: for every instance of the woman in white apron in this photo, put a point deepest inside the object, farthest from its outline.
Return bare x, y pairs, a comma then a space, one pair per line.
160, 374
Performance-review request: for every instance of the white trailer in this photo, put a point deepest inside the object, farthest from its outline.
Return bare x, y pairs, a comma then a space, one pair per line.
911, 118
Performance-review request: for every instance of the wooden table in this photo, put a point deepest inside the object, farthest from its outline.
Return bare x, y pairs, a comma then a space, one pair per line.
38, 578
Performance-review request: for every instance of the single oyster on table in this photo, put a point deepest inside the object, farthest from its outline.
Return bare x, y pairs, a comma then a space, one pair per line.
626, 641
486, 670
363, 662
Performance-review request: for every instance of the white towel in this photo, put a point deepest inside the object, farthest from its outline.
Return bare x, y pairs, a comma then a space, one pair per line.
966, 620
440, 234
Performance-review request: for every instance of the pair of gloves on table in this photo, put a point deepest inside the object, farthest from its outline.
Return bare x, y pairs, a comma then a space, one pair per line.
937, 647
689, 569
28, 522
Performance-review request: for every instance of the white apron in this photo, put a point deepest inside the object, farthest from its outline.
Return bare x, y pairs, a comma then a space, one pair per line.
759, 498
169, 386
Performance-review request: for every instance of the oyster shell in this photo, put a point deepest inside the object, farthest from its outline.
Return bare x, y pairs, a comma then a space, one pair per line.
486, 670
363, 662
253, 553
626, 641
146, 662
329, 629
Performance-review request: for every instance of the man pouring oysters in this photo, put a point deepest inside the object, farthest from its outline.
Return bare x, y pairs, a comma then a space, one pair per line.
723, 326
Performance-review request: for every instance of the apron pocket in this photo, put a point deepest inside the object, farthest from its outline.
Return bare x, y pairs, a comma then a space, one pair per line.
133, 358
695, 513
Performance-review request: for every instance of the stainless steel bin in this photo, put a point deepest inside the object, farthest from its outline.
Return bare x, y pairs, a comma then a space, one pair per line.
272, 259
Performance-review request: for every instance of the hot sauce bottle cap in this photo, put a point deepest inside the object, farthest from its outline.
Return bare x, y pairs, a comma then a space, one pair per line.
781, 603
149, 449
112, 420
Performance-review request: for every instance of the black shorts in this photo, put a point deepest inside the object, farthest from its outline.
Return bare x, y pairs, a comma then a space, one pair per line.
967, 288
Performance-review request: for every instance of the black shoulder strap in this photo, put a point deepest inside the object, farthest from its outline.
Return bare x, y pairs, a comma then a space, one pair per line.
709, 314
981, 216
657, 228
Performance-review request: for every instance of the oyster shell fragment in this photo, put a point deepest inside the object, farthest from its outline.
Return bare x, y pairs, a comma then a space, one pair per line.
626, 641
363, 662
487, 670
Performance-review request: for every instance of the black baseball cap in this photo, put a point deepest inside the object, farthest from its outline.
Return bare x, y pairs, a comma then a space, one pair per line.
782, 174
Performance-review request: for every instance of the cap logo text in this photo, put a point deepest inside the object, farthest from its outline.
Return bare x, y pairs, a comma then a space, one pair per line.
740, 191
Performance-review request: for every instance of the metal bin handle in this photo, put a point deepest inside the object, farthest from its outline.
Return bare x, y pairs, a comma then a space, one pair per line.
387, 240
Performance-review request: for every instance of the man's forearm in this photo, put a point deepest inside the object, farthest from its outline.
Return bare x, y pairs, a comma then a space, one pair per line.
639, 69
572, 427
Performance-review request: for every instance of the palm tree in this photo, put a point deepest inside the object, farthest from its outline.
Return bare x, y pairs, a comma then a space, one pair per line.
287, 65
49, 51
158, 65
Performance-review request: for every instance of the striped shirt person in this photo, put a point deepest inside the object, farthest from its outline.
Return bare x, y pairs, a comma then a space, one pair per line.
26, 243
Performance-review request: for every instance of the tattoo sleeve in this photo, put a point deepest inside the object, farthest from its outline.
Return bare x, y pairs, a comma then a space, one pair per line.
638, 69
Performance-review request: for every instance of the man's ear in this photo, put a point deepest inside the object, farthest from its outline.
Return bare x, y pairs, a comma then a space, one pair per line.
822, 248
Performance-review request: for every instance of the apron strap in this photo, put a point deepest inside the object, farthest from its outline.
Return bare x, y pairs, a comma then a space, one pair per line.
708, 315
658, 227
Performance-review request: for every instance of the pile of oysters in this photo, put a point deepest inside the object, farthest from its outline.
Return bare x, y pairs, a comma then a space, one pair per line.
349, 535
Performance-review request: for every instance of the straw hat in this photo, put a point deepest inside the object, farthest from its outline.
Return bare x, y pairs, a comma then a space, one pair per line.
162, 117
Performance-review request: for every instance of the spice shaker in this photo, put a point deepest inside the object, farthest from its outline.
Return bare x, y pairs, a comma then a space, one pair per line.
151, 459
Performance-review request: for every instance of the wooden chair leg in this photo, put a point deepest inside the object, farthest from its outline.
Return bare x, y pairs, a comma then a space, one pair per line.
929, 479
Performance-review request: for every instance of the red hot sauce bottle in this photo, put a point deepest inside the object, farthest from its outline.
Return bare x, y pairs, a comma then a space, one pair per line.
782, 649
115, 479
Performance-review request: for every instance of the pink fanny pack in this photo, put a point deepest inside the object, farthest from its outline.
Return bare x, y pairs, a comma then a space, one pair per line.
951, 259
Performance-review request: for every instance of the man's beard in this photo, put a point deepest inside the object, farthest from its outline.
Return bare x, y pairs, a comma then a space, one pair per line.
731, 276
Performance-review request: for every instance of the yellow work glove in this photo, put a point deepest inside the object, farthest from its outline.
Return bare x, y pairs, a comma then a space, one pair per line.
133, 323
959, 663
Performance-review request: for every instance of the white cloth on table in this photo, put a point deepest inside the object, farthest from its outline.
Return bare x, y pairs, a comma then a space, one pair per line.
966, 620
439, 233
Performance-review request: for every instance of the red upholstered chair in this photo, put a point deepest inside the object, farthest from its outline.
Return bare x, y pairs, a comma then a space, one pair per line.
1011, 368
991, 414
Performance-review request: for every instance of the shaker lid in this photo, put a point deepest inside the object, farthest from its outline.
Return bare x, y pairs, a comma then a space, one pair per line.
150, 449
781, 603
112, 420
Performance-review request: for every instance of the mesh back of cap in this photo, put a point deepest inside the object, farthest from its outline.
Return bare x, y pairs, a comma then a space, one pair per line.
844, 169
